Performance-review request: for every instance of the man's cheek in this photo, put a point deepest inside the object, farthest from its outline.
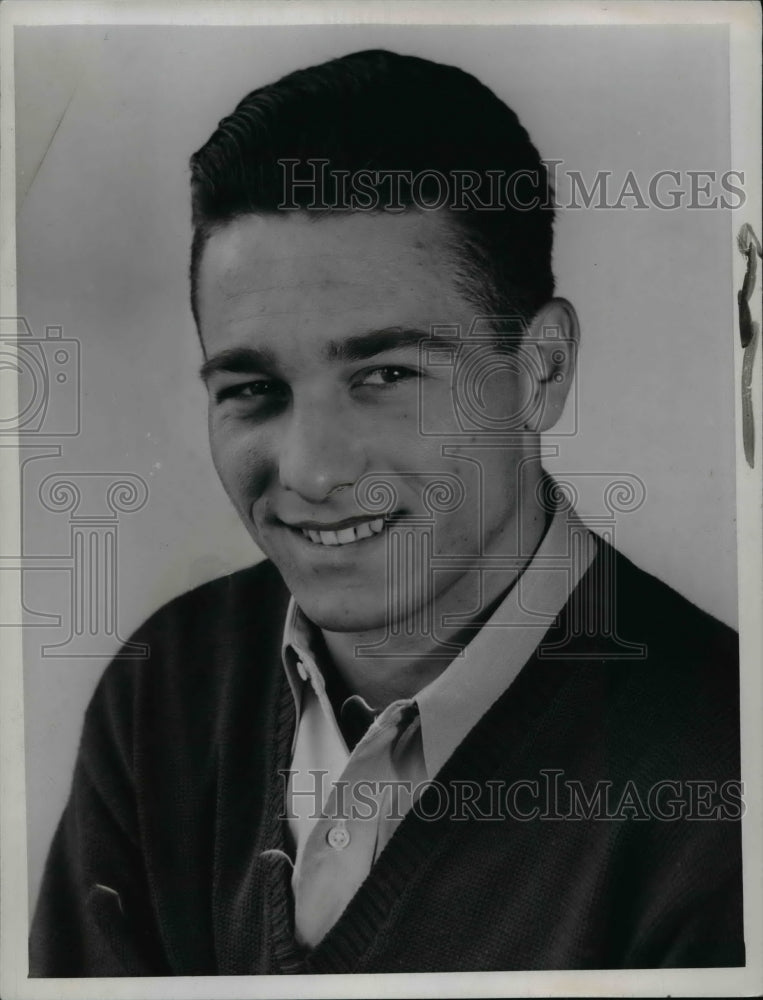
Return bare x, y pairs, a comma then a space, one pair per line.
244, 468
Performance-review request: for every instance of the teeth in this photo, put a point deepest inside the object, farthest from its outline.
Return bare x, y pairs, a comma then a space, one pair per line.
347, 535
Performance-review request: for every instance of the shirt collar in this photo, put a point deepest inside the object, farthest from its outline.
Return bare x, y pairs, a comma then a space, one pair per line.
454, 702
298, 652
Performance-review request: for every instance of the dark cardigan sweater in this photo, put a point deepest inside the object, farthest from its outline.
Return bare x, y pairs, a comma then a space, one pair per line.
167, 859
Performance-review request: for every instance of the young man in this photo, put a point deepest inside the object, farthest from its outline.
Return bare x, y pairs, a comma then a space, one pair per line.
444, 726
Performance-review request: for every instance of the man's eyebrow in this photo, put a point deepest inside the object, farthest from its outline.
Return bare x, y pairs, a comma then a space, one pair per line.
245, 360
238, 360
368, 345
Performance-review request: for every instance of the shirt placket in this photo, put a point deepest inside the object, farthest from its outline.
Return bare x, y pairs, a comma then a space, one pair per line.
343, 843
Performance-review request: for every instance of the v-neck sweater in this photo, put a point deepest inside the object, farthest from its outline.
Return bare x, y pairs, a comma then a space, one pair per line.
170, 858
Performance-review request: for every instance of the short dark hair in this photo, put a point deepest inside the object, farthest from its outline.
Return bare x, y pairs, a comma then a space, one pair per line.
379, 111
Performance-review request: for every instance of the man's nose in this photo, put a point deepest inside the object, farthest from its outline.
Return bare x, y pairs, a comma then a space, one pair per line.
319, 453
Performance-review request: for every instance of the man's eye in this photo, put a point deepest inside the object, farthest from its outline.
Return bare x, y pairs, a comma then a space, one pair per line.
387, 375
262, 389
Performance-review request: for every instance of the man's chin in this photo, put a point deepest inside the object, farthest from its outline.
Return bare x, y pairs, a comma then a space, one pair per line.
342, 616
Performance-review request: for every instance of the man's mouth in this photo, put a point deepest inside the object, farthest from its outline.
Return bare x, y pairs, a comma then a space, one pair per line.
347, 531
344, 536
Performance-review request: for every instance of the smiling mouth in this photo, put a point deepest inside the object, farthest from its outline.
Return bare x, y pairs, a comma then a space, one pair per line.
344, 536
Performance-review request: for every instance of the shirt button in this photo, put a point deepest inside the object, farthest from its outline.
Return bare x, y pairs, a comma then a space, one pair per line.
338, 837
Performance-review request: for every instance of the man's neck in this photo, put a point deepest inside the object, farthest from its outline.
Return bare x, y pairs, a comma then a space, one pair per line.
405, 664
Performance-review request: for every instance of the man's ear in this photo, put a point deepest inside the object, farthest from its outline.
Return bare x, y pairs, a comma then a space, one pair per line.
552, 343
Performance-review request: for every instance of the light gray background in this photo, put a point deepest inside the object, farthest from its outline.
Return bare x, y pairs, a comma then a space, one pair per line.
106, 121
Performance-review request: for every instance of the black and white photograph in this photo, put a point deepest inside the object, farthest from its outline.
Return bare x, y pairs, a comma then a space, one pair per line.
382, 552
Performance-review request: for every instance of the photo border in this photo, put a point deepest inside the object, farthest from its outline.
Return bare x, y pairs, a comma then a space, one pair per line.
744, 23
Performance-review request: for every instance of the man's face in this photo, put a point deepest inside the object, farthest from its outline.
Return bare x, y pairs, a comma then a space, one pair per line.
311, 330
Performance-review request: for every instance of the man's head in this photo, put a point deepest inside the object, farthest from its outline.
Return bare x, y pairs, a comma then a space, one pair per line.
312, 318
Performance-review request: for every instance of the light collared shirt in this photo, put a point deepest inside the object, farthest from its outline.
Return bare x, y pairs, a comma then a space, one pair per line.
344, 805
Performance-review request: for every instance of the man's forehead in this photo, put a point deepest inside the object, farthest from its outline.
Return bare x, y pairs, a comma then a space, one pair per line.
333, 268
